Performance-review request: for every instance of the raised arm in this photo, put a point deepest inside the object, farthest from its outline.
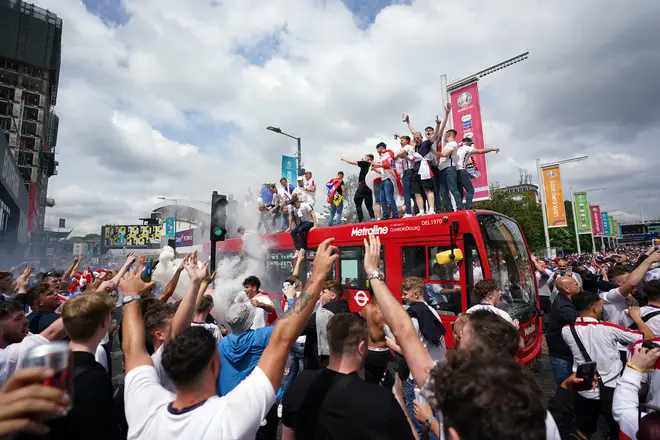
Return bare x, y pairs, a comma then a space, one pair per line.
299, 260
169, 289
637, 275
133, 346
440, 126
418, 358
485, 150
111, 284
350, 162
406, 119
66, 277
293, 322
186, 311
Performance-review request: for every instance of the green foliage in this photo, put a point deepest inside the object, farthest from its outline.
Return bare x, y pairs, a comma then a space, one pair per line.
529, 216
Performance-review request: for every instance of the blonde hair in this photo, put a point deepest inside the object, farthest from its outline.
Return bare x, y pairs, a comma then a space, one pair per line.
412, 283
83, 314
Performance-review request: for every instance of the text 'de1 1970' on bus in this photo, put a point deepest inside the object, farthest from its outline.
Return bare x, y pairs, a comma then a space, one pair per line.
486, 245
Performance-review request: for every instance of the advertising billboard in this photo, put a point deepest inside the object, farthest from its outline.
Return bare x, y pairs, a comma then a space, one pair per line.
131, 235
466, 115
184, 238
554, 198
605, 220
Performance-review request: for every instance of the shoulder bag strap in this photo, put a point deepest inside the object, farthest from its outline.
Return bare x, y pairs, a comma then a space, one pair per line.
645, 318
586, 356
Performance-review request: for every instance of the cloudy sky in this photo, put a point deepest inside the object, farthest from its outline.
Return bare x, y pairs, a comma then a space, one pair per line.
171, 98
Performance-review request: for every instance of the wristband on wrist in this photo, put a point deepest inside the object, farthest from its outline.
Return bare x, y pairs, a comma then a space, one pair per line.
635, 367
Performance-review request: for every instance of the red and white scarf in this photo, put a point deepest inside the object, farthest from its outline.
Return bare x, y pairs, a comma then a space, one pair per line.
389, 171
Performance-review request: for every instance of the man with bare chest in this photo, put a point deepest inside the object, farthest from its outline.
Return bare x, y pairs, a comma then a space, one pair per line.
379, 355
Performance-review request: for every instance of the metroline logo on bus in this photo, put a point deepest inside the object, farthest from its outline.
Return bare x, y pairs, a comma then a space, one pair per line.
384, 230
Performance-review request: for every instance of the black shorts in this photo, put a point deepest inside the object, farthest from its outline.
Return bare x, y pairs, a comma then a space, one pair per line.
420, 186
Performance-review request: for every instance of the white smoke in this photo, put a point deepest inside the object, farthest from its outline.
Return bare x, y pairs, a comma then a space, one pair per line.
230, 270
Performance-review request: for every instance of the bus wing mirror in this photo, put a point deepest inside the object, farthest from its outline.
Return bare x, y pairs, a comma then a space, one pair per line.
450, 256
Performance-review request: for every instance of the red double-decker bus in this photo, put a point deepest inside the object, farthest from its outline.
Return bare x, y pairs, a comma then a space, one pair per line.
491, 246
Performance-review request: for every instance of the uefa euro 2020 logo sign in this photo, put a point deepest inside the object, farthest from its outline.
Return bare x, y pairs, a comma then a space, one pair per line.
551, 174
464, 99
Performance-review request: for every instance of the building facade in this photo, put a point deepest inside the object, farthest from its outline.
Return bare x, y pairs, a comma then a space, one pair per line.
14, 205
519, 191
30, 54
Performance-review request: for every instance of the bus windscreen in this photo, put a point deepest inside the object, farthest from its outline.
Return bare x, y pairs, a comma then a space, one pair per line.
509, 263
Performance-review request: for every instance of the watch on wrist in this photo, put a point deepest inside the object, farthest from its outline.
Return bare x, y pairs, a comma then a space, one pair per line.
130, 298
376, 274
428, 422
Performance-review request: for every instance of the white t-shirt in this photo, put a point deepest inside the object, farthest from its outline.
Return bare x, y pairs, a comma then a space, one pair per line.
381, 159
163, 379
260, 315
490, 308
12, 356
300, 193
406, 163
304, 212
210, 327
446, 162
614, 308
463, 153
311, 196
101, 357
235, 416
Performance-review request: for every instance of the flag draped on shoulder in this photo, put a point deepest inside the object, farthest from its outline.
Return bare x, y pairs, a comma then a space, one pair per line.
388, 170
333, 196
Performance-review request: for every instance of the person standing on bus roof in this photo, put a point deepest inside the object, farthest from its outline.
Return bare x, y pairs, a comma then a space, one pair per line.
464, 154
390, 181
310, 189
448, 158
363, 193
336, 191
306, 218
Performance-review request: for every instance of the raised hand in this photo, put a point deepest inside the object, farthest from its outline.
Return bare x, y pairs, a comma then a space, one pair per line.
23, 281
326, 255
132, 283
448, 107
130, 260
371, 254
195, 273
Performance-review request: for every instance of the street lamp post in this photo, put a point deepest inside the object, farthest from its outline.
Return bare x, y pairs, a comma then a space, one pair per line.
539, 171
299, 153
577, 235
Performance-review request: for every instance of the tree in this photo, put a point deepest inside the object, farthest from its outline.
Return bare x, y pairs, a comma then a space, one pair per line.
92, 236
349, 213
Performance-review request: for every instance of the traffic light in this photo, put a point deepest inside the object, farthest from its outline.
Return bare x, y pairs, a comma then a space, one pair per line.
219, 204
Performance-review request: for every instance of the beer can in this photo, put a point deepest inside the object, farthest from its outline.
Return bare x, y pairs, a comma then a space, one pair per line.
58, 357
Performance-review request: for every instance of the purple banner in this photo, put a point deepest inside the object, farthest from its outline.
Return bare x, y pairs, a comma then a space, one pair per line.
184, 238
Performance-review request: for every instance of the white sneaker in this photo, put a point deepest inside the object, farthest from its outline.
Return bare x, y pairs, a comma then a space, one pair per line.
407, 216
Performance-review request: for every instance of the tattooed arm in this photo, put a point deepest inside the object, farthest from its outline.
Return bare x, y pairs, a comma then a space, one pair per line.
290, 325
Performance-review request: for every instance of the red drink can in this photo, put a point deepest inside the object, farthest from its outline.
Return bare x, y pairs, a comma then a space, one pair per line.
58, 357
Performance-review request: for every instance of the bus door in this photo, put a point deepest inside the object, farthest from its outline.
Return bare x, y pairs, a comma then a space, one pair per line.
352, 276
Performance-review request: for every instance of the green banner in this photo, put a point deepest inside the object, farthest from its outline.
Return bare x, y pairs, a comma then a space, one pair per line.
583, 218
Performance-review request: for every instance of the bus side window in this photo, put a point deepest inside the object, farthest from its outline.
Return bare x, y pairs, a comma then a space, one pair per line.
414, 261
279, 264
443, 288
308, 265
351, 267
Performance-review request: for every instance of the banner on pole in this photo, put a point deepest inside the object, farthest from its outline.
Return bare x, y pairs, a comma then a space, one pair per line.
596, 220
554, 199
610, 220
290, 169
169, 227
466, 115
614, 226
62, 223
605, 219
620, 231
582, 212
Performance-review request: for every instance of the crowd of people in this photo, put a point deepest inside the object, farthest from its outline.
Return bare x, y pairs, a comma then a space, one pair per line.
417, 175
322, 372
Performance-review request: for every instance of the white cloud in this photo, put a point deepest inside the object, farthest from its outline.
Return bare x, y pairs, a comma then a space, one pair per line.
136, 100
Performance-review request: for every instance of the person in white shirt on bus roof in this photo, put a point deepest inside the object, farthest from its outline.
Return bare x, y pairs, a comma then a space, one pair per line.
310, 189
16, 341
447, 160
192, 361
405, 163
464, 155
591, 340
617, 300
306, 222
488, 292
